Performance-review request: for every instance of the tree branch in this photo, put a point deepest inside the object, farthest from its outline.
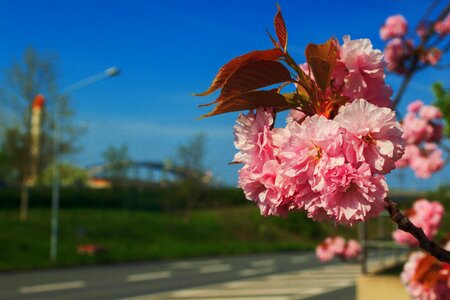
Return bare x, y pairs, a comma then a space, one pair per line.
406, 225
414, 66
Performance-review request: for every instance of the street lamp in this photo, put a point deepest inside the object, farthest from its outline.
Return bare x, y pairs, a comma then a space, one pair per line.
110, 72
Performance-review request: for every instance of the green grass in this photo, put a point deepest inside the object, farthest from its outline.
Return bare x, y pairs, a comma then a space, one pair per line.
138, 235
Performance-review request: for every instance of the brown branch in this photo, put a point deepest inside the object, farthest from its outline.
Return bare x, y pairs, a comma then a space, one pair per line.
406, 225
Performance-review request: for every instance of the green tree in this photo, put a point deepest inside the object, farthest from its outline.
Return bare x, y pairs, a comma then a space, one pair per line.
33, 74
190, 157
118, 161
70, 175
442, 100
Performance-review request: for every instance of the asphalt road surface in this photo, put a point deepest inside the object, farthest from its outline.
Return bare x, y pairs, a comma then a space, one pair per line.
270, 276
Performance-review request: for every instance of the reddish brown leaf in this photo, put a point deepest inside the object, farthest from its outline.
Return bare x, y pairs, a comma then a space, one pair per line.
427, 271
250, 100
251, 76
274, 42
321, 60
230, 67
280, 29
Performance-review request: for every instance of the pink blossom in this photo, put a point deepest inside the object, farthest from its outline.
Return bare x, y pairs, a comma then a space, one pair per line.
337, 246
424, 214
426, 278
396, 53
428, 162
416, 130
310, 145
261, 176
252, 137
365, 72
295, 116
324, 251
395, 26
430, 112
352, 195
411, 151
424, 126
372, 135
443, 27
415, 106
432, 56
330, 247
353, 250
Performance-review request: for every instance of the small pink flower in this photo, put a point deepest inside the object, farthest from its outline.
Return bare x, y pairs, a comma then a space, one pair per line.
416, 130
311, 142
432, 56
337, 246
443, 27
324, 251
411, 151
252, 137
430, 112
415, 106
261, 176
424, 214
353, 250
372, 135
364, 74
428, 161
396, 53
295, 116
352, 195
395, 26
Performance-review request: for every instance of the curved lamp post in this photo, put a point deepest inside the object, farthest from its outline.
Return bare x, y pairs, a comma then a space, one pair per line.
110, 72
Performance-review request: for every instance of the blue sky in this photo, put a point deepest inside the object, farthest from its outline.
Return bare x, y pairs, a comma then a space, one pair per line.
169, 49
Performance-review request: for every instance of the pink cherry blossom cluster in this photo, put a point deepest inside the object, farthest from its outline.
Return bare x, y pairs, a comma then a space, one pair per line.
331, 168
424, 214
399, 51
337, 247
426, 278
359, 72
422, 128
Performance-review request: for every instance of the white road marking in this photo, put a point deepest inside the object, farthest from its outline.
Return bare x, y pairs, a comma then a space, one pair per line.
148, 276
252, 272
262, 263
182, 265
343, 283
300, 259
214, 268
313, 291
212, 293
51, 287
189, 264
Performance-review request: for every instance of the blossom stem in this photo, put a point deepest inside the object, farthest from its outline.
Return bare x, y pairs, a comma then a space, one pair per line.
406, 225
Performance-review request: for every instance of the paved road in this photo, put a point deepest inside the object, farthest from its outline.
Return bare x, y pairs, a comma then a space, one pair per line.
300, 273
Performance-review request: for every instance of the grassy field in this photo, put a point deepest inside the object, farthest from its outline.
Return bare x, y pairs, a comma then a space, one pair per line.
138, 235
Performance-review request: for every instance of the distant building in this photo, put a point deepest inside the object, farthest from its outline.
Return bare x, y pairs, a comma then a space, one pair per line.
98, 183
